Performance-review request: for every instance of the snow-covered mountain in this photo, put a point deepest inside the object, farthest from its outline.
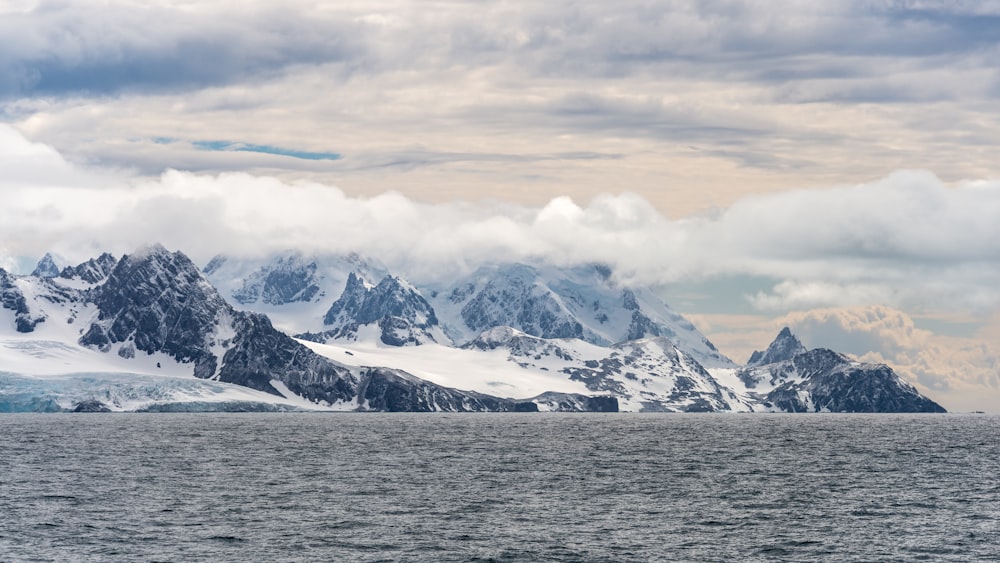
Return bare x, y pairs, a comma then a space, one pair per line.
645, 374
823, 380
46, 267
549, 302
156, 314
294, 290
790, 378
505, 338
393, 309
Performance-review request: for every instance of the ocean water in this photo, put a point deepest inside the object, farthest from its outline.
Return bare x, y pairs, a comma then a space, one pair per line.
499, 487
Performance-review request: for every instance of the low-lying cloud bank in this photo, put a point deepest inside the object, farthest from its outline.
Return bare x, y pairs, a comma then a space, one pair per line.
851, 264
907, 240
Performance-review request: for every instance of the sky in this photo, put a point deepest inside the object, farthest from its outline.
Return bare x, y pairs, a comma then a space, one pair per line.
830, 166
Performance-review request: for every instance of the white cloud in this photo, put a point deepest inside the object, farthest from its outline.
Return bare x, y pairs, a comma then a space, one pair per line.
907, 240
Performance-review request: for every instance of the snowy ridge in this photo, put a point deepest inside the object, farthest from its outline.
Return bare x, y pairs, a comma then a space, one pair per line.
644, 375
150, 331
550, 302
402, 315
293, 289
155, 315
545, 301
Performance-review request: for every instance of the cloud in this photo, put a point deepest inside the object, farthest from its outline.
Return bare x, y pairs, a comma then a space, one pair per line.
693, 105
113, 46
907, 240
104, 48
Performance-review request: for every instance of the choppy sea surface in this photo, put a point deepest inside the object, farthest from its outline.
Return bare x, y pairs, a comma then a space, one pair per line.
499, 487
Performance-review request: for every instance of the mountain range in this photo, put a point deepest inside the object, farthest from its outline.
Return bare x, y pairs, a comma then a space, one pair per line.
153, 331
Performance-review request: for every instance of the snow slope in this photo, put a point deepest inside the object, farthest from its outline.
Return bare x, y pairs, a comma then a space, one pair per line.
645, 375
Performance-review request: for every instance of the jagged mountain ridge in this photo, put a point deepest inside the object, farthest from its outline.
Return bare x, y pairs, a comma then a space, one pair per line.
801, 380
155, 302
401, 314
92, 271
293, 289
583, 302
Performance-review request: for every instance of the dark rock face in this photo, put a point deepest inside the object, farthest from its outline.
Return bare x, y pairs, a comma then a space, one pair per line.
347, 308
12, 298
46, 267
641, 327
259, 353
91, 271
784, 347
821, 379
391, 297
395, 391
402, 314
159, 302
93, 405
517, 302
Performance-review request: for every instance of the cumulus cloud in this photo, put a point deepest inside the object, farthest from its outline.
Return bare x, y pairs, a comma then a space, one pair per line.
907, 240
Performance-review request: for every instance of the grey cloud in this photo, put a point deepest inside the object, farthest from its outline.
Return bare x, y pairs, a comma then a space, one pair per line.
99, 49
106, 48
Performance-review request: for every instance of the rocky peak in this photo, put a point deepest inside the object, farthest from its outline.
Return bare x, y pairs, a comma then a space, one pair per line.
348, 306
288, 279
784, 347
394, 297
46, 267
11, 297
155, 300
516, 297
401, 312
822, 379
91, 271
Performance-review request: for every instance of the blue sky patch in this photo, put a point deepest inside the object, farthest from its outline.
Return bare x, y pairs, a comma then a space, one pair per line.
230, 146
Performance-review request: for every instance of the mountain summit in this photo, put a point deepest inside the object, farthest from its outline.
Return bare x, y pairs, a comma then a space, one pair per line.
784, 347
